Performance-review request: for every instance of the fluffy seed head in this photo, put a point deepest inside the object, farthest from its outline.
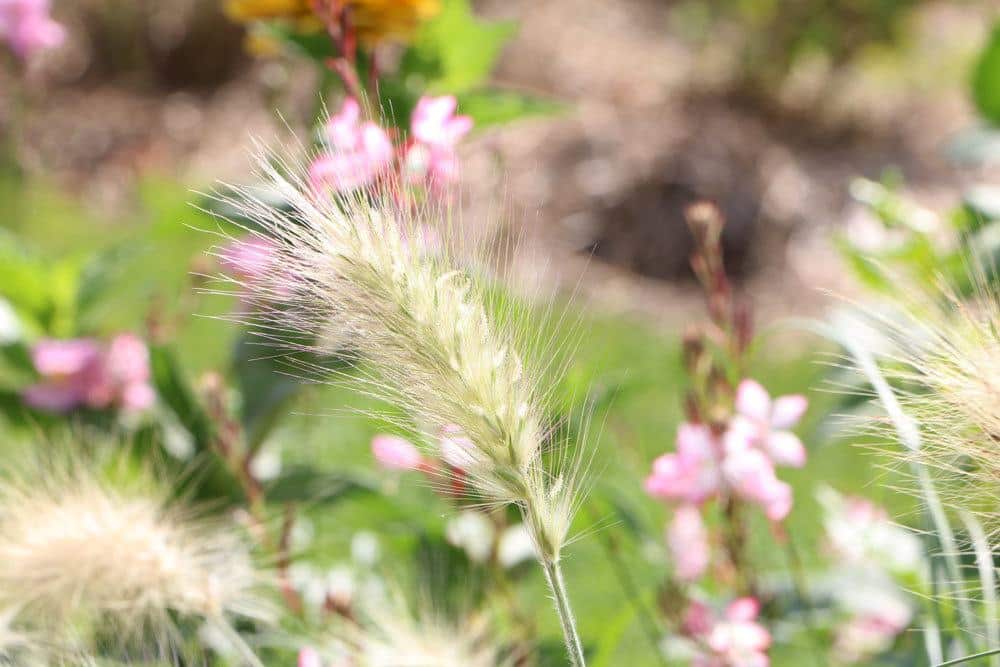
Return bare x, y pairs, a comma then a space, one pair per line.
74, 549
389, 634
353, 268
945, 363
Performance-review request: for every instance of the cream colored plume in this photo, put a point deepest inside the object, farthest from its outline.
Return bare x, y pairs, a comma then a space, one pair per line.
79, 555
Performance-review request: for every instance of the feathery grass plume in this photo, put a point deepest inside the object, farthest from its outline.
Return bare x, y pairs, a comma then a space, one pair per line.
946, 365
352, 267
391, 634
88, 552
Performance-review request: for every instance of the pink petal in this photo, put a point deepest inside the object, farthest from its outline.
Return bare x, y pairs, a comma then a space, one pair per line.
52, 397
64, 357
687, 540
695, 442
308, 657
249, 258
785, 448
743, 609
138, 396
127, 359
753, 401
788, 410
396, 453
342, 129
779, 502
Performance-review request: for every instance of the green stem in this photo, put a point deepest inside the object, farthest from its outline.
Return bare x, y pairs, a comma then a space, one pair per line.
968, 658
554, 577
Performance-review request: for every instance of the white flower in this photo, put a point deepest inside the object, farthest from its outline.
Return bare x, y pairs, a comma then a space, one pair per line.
473, 532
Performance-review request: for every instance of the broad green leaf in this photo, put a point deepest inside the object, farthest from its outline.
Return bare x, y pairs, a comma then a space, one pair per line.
986, 79
494, 107
455, 52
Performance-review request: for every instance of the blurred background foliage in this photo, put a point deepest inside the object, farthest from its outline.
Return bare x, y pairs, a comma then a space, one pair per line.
110, 139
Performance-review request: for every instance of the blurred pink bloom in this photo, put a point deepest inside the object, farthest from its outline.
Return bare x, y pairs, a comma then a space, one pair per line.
78, 373
358, 151
308, 657
436, 130
750, 474
70, 370
64, 358
396, 453
249, 259
690, 474
687, 540
27, 27
127, 367
737, 639
767, 422
434, 122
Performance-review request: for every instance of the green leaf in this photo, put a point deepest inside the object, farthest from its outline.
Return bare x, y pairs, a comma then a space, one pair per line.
455, 52
175, 392
986, 79
494, 107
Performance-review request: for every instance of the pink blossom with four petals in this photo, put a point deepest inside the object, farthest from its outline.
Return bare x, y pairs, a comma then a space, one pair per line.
359, 152
767, 422
27, 27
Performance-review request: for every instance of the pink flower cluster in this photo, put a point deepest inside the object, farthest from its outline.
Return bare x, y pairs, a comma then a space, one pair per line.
734, 640
82, 373
27, 27
361, 153
739, 462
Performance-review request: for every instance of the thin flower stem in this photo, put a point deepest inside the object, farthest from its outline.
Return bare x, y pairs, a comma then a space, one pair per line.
554, 577
969, 658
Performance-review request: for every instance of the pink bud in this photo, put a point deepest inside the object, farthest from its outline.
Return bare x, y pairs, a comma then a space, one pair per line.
396, 453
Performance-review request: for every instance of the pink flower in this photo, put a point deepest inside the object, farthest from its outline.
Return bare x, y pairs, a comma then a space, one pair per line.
249, 259
70, 371
79, 373
738, 640
358, 151
308, 657
767, 422
436, 130
435, 124
396, 453
64, 358
126, 365
750, 474
687, 540
691, 474
27, 27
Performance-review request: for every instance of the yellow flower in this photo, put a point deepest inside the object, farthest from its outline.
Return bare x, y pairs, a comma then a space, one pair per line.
390, 20
252, 10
